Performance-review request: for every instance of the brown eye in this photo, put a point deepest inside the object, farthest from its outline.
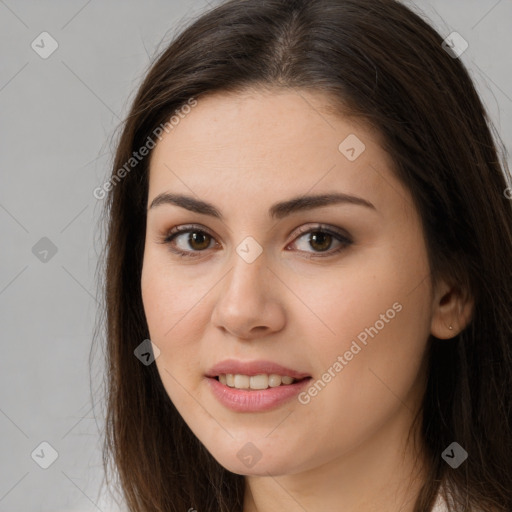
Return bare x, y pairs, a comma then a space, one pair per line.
188, 242
198, 240
320, 241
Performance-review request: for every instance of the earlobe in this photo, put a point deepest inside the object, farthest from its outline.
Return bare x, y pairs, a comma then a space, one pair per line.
451, 311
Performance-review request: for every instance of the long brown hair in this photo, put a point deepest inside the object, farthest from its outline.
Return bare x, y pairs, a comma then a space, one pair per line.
381, 62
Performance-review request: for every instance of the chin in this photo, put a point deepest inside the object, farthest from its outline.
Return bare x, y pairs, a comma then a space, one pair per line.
259, 469
246, 459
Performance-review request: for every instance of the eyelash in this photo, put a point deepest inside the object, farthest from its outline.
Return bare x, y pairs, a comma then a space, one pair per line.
171, 235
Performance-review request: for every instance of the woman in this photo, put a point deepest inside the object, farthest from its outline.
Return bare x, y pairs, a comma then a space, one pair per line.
308, 218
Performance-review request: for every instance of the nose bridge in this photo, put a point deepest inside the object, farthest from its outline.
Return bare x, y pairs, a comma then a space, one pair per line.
244, 305
248, 268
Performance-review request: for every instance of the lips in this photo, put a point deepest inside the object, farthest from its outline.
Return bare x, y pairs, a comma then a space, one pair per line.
251, 368
254, 401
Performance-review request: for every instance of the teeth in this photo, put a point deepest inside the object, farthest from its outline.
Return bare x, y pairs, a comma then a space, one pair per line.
242, 381
261, 381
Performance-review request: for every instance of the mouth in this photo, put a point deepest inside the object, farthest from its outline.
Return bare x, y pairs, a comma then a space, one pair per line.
259, 382
254, 386
255, 393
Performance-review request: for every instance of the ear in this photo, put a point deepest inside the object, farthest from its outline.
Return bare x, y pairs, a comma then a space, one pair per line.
450, 307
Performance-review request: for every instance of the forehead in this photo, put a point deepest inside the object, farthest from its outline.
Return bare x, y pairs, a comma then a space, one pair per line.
238, 147
260, 120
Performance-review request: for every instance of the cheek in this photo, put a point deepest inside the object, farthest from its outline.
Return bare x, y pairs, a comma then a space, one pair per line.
168, 297
173, 328
380, 320
342, 302
172, 308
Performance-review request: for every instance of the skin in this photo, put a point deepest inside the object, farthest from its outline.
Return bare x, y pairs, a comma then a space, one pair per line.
345, 449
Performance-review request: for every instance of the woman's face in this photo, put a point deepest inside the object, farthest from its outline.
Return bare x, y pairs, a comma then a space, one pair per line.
348, 304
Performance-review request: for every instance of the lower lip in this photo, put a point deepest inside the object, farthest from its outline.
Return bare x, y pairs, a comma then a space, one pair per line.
241, 400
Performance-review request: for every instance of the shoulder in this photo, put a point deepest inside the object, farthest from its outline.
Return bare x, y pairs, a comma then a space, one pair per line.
440, 504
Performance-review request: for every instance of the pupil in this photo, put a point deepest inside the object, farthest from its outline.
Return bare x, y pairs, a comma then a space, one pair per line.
322, 238
195, 236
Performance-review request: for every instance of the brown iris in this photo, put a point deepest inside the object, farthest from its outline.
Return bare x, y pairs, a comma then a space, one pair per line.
323, 239
203, 240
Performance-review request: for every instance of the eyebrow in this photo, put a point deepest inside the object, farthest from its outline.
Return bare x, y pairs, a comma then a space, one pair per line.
276, 211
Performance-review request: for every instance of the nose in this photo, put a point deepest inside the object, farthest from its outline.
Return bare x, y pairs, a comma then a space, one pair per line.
248, 304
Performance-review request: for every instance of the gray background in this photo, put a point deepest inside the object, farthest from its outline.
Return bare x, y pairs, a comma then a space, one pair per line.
58, 116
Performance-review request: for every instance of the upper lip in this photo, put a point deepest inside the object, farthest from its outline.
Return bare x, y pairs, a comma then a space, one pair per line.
249, 368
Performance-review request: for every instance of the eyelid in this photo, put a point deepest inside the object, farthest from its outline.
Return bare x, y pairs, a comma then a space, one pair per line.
184, 228
322, 227
340, 235
300, 231
171, 234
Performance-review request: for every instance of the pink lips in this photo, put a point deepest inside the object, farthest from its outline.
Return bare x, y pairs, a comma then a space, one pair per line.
240, 400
